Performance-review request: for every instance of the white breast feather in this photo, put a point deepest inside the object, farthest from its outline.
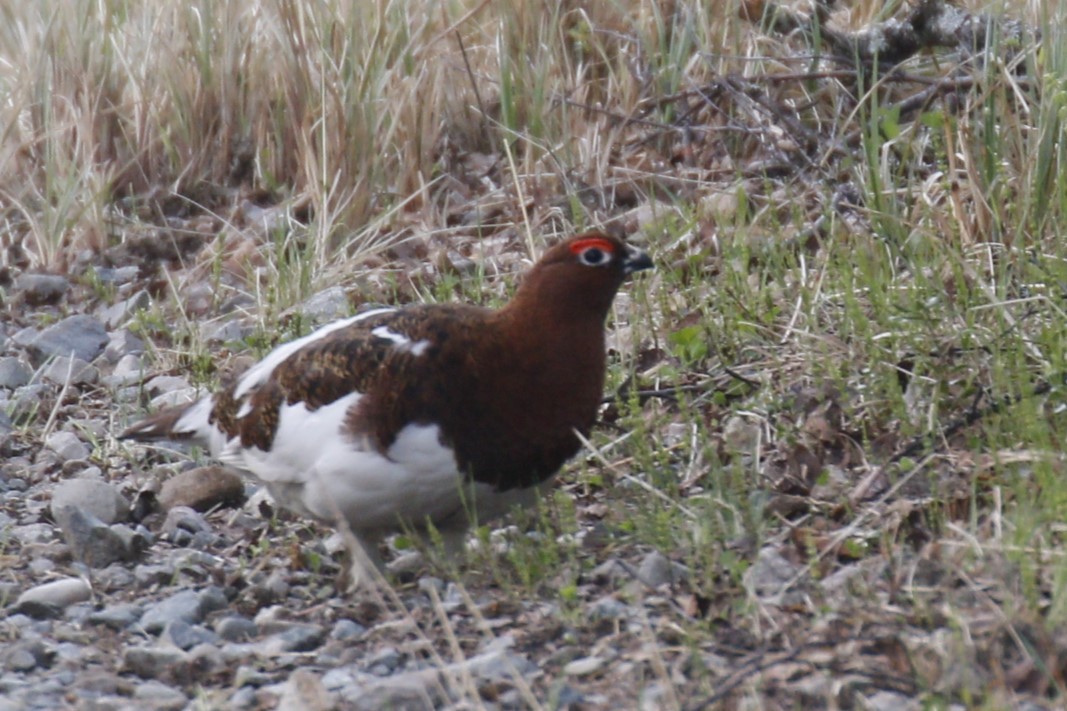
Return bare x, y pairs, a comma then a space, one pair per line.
334, 473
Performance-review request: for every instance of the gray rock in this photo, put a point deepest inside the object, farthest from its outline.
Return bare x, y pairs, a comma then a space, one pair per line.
33, 533
154, 574
243, 698
767, 575
117, 617
608, 608
103, 682
452, 262
428, 583
611, 570
91, 540
174, 397
383, 662
274, 589
24, 336
122, 343
653, 697
39, 289
117, 276
67, 446
327, 305
184, 606
159, 697
136, 541
889, 701
26, 655
240, 302
40, 565
215, 333
419, 689
250, 676
81, 336
583, 667
344, 630
57, 594
186, 636
166, 663
304, 690
273, 619
198, 298
415, 695
657, 569
81, 469
203, 489
27, 401
207, 658
127, 371
119, 313
237, 629
567, 697
14, 373
298, 638
95, 497
182, 519
70, 371
113, 578
162, 384
213, 599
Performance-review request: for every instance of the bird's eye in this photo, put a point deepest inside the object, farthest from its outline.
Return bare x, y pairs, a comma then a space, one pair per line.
594, 257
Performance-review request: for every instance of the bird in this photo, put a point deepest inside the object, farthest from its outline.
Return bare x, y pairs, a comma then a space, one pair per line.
424, 417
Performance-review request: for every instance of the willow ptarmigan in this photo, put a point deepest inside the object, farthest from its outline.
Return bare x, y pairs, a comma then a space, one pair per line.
433, 413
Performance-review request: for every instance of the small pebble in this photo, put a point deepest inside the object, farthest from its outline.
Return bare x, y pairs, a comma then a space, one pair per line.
63, 370
41, 289
160, 697
81, 336
166, 663
237, 629
183, 606
58, 593
117, 617
66, 445
14, 373
583, 666
93, 496
344, 630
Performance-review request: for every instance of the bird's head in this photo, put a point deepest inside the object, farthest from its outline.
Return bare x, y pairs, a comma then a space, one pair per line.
582, 274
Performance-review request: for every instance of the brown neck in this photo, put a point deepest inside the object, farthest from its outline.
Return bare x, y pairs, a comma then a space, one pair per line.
554, 356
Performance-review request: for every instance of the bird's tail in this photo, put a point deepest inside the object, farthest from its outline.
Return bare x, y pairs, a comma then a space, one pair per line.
161, 425
182, 422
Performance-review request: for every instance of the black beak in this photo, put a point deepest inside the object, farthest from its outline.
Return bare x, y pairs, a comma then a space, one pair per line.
635, 260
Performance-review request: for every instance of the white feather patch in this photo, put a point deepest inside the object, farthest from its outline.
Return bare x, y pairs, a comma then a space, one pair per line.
261, 371
302, 434
195, 422
402, 342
